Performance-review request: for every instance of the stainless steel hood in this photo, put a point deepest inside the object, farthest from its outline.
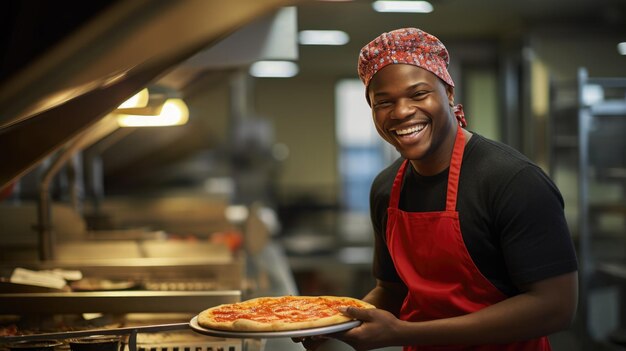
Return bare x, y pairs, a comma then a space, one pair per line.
129, 44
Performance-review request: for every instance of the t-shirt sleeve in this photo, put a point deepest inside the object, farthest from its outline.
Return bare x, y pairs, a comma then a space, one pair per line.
382, 266
535, 240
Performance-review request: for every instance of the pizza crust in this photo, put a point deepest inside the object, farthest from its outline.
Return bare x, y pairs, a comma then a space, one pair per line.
279, 313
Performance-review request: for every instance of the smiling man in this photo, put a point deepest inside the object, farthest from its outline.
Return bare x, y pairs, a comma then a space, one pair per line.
472, 250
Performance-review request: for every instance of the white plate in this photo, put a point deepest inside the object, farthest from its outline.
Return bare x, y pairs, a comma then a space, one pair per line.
271, 334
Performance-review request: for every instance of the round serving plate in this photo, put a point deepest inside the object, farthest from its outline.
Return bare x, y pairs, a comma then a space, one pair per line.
273, 334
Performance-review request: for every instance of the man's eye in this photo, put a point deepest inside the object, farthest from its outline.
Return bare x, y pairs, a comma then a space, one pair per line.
382, 103
420, 94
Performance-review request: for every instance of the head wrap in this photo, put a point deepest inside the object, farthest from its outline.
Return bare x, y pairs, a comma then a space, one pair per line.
409, 46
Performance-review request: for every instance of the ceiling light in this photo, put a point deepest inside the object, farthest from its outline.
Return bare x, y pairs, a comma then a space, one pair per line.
273, 69
402, 6
621, 48
323, 37
171, 113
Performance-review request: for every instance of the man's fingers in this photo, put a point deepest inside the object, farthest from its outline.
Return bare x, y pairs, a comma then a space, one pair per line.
354, 312
311, 343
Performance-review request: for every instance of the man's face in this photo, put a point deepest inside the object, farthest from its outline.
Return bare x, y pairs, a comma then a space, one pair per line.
411, 110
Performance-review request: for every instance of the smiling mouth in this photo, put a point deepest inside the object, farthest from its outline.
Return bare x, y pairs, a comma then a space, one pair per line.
413, 129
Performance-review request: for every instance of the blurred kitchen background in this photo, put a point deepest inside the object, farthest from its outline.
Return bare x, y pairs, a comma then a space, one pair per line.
260, 185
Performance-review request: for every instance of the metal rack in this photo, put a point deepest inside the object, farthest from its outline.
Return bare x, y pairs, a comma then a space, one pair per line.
130, 331
601, 161
225, 276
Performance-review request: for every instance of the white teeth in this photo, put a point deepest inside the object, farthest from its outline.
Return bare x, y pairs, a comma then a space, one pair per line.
410, 130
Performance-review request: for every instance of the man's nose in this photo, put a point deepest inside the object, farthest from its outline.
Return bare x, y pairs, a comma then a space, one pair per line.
403, 109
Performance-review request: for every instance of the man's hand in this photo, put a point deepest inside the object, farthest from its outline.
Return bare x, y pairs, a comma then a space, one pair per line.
378, 329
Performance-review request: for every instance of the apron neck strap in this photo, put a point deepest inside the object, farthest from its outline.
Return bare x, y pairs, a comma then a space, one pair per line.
455, 170
453, 175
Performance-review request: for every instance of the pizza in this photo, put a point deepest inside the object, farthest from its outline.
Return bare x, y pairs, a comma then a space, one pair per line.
279, 313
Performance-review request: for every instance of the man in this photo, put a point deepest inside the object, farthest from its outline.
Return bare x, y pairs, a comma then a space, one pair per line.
472, 248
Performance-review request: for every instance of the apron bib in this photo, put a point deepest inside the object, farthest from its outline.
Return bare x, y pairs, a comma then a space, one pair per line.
431, 258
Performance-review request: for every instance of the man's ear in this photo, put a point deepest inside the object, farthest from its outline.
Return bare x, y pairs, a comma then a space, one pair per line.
450, 93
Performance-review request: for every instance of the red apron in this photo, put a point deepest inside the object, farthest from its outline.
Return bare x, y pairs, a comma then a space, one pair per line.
431, 258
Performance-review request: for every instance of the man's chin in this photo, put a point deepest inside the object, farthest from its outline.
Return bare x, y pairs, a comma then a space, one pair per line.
409, 154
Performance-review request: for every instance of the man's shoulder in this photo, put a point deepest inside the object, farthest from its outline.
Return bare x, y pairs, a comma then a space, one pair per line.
492, 148
498, 157
384, 180
493, 165
390, 171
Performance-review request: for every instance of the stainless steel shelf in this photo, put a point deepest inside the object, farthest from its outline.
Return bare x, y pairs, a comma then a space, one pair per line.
111, 331
609, 108
115, 302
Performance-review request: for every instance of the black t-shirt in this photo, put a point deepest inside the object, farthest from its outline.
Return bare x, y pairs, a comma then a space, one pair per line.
510, 212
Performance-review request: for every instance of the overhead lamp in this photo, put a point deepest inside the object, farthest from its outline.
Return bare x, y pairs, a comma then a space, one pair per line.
138, 100
323, 37
402, 6
172, 112
273, 69
621, 48
163, 108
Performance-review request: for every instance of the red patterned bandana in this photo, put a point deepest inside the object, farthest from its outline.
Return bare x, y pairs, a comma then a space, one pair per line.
409, 46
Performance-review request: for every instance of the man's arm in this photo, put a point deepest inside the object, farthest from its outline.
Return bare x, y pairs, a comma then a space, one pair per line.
542, 308
388, 296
